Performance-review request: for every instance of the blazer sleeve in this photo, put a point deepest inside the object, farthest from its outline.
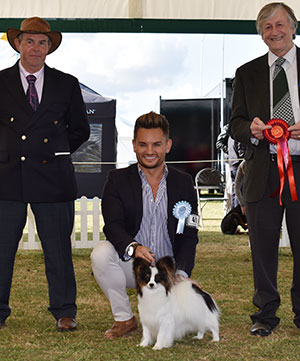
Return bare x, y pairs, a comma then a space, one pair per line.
121, 209
239, 126
76, 119
251, 98
181, 188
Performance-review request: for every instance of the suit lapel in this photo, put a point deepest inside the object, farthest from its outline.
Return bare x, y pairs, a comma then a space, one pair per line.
298, 68
172, 199
262, 77
136, 184
15, 87
48, 88
48, 93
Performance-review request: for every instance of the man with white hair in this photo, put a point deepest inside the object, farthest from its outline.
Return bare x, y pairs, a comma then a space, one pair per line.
268, 88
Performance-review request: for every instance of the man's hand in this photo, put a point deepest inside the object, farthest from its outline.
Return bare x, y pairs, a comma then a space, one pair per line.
257, 127
295, 131
145, 252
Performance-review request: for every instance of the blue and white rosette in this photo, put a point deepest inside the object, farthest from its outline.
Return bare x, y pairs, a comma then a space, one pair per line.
181, 211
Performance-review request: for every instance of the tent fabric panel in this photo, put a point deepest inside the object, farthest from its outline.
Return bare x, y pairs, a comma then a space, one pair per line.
68, 9
208, 9
147, 9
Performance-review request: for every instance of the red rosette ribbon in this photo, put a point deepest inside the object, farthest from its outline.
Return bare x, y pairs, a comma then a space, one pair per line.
279, 135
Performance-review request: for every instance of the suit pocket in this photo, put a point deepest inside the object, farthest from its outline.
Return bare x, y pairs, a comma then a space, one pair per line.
3, 157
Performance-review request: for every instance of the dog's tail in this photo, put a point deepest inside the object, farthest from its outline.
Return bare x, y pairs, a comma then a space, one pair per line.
210, 302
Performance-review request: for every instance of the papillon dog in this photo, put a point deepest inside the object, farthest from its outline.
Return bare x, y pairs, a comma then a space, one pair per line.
168, 308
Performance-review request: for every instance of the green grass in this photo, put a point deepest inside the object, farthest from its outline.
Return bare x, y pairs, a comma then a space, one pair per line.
223, 268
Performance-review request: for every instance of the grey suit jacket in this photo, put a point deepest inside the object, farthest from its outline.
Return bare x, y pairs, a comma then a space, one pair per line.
251, 99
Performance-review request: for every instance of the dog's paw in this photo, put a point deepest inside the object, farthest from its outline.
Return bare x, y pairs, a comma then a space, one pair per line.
199, 336
144, 343
215, 338
160, 345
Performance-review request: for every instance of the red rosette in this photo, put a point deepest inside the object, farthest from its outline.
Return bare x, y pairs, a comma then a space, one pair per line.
279, 135
279, 129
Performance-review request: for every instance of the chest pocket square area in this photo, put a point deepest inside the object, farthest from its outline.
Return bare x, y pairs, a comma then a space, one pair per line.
62, 153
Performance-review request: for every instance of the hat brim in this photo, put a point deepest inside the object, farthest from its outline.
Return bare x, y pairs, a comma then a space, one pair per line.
54, 36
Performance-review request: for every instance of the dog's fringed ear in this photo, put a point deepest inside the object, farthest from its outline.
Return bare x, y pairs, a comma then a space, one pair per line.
166, 263
166, 268
138, 265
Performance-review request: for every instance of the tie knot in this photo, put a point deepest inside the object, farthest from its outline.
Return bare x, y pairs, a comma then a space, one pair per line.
279, 61
31, 79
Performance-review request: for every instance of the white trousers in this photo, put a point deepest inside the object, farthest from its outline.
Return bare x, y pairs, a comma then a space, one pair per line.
113, 276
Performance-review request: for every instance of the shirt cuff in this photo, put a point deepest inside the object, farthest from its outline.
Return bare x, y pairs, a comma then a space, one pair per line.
254, 141
126, 257
182, 273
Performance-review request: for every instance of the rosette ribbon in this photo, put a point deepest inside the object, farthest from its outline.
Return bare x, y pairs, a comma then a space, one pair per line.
181, 211
279, 135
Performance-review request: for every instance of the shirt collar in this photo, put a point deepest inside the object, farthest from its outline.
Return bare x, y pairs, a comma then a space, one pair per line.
142, 175
24, 72
290, 56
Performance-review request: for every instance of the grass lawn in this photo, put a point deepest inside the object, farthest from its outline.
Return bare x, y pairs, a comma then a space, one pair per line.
223, 268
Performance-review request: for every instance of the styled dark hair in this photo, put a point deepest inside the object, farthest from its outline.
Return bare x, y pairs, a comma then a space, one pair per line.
269, 10
152, 120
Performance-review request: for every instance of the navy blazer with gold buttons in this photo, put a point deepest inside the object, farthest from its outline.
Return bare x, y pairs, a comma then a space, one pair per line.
35, 147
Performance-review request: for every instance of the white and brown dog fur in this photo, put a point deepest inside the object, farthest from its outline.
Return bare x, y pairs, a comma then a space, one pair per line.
169, 309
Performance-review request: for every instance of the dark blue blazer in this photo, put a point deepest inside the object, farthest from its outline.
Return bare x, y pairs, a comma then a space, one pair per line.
31, 169
122, 208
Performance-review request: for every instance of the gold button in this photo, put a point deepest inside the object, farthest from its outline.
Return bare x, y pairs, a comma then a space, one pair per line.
23, 158
46, 140
55, 122
23, 137
12, 119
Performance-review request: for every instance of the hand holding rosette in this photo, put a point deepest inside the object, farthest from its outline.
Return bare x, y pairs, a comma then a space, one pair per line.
279, 135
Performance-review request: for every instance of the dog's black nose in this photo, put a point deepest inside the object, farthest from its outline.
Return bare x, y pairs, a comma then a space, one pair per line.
151, 285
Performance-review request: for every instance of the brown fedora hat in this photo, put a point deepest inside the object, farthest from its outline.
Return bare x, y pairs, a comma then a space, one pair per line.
35, 25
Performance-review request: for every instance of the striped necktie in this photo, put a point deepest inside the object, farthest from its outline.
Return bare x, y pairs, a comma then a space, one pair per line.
282, 105
31, 93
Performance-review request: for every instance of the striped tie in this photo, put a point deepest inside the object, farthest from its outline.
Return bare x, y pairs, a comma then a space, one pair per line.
31, 93
282, 105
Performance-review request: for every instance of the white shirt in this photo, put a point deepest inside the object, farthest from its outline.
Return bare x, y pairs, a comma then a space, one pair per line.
38, 83
290, 67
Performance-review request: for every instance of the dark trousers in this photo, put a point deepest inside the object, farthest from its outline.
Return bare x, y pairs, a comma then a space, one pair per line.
264, 222
54, 223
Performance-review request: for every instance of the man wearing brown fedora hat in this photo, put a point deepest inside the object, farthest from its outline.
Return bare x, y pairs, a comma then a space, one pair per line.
42, 121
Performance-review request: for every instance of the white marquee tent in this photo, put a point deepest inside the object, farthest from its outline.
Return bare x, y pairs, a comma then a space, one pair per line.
176, 16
